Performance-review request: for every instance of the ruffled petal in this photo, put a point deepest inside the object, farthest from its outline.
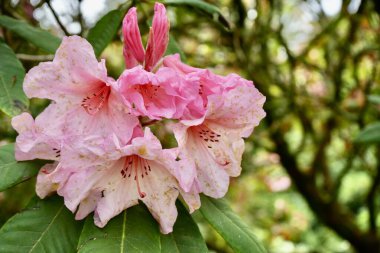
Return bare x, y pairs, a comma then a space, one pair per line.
37, 139
72, 74
161, 193
241, 111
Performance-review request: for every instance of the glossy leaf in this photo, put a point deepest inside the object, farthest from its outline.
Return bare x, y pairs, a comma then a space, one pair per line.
12, 98
40, 38
45, 226
210, 10
134, 230
185, 237
13, 172
104, 30
229, 226
370, 134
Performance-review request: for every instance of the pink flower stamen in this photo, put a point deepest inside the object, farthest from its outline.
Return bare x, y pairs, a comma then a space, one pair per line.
93, 103
136, 164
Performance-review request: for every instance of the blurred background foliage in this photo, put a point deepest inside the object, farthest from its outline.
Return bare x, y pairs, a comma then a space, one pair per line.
306, 185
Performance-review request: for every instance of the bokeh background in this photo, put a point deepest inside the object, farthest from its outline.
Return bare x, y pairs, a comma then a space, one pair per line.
306, 186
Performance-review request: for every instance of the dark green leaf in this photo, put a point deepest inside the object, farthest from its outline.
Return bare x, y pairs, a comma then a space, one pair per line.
370, 134
45, 226
229, 226
12, 98
40, 38
104, 30
134, 230
185, 237
13, 172
212, 11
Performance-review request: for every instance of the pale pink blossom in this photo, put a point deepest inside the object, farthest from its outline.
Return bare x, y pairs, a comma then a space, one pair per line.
79, 84
158, 39
215, 141
141, 170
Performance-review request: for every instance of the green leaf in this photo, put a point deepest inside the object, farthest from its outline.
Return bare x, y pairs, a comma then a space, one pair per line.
45, 226
13, 172
375, 99
185, 237
211, 10
174, 48
370, 134
229, 226
134, 230
40, 38
12, 98
104, 30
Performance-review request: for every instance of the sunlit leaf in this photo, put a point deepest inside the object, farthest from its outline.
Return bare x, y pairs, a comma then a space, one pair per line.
211, 10
134, 230
40, 38
370, 134
12, 98
104, 30
13, 172
44, 226
229, 226
185, 237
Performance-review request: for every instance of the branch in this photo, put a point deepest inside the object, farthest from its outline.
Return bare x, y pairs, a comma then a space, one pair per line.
57, 19
371, 199
28, 57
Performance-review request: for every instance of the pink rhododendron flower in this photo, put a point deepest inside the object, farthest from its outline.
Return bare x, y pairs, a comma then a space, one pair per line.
79, 84
103, 160
158, 40
164, 94
148, 90
140, 171
214, 140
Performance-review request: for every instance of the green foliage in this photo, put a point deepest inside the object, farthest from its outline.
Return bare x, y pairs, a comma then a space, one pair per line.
13, 172
205, 8
44, 226
229, 226
370, 134
134, 230
186, 237
12, 98
40, 38
104, 31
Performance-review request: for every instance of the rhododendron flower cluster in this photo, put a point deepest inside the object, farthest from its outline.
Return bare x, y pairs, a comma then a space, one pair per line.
104, 159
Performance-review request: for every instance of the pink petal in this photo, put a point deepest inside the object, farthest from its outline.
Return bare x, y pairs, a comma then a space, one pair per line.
70, 76
37, 139
45, 186
174, 62
164, 94
133, 49
158, 37
242, 109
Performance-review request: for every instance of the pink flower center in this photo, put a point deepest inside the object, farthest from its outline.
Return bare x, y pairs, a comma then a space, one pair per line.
94, 102
137, 168
148, 91
209, 141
